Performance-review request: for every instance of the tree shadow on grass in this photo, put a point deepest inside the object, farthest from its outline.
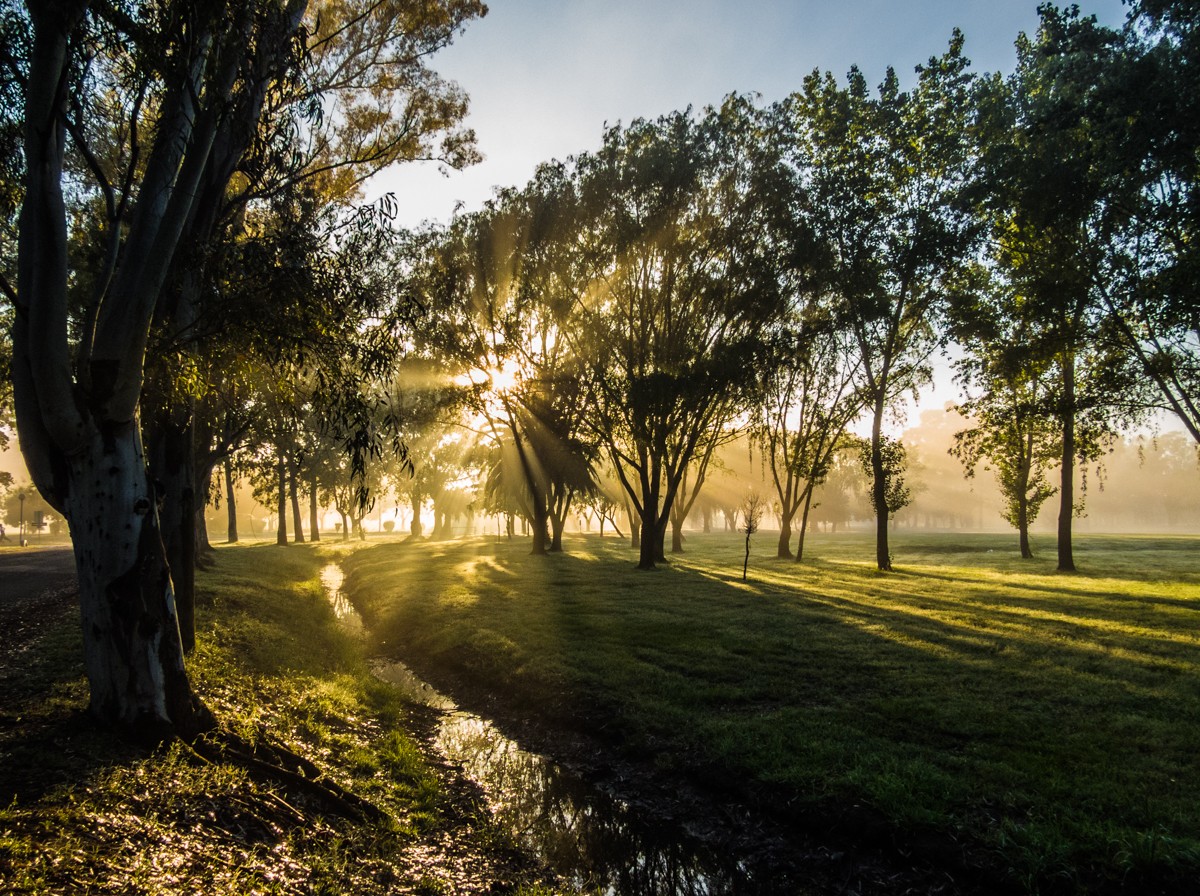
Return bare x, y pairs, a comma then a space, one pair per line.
47, 738
1019, 704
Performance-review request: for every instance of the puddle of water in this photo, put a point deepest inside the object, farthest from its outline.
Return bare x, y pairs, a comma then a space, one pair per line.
410, 685
598, 843
332, 579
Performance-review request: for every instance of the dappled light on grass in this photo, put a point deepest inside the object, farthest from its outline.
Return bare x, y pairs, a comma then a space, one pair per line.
85, 812
483, 565
1043, 715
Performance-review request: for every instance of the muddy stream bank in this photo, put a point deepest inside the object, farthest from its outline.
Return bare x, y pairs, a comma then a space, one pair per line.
603, 828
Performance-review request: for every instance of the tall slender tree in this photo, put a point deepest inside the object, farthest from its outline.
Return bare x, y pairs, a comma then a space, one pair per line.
78, 412
356, 97
1010, 400
1048, 190
884, 173
182, 90
809, 401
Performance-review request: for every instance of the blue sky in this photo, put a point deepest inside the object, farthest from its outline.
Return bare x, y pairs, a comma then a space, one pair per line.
545, 76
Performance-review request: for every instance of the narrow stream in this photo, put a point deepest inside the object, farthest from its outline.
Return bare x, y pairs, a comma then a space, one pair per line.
598, 843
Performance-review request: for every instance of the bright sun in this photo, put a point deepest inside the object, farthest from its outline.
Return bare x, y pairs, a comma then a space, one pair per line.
496, 382
496, 379
504, 377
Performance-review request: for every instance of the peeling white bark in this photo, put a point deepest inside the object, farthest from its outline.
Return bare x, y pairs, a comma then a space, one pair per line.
132, 649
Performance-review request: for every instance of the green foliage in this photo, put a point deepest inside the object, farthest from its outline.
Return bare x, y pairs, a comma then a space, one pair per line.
1011, 403
807, 403
893, 461
500, 284
1054, 199
1146, 108
21, 501
886, 177
687, 245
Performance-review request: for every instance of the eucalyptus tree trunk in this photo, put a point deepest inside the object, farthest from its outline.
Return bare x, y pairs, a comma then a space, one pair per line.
201, 545
648, 544
784, 549
660, 538
537, 498
281, 504
557, 524
808, 493
676, 535
171, 465
1023, 527
415, 528
133, 653
77, 400
559, 507
539, 526
1024, 473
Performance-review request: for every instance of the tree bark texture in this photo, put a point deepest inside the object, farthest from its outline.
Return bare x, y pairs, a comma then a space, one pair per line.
172, 470
804, 523
133, 652
314, 528
81, 438
660, 538
294, 494
1023, 529
557, 524
415, 529
648, 542
784, 549
281, 504
539, 526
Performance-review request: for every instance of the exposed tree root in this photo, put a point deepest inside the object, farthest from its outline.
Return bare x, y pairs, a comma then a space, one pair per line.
287, 767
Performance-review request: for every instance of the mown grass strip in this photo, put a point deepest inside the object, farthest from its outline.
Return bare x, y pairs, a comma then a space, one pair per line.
1052, 721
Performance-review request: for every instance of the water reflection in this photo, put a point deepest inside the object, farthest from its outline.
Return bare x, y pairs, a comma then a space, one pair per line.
598, 843
332, 579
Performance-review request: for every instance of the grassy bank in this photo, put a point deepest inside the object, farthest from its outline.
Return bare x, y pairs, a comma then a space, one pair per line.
85, 811
1049, 722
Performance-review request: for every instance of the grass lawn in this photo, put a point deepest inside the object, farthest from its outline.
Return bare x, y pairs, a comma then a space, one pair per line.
1051, 722
83, 810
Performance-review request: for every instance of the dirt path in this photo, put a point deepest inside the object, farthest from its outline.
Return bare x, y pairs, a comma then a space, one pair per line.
32, 573
37, 588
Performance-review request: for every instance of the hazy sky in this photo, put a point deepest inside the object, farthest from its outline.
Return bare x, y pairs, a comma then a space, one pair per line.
545, 75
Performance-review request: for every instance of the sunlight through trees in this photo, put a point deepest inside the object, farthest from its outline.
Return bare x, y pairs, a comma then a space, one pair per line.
198, 296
